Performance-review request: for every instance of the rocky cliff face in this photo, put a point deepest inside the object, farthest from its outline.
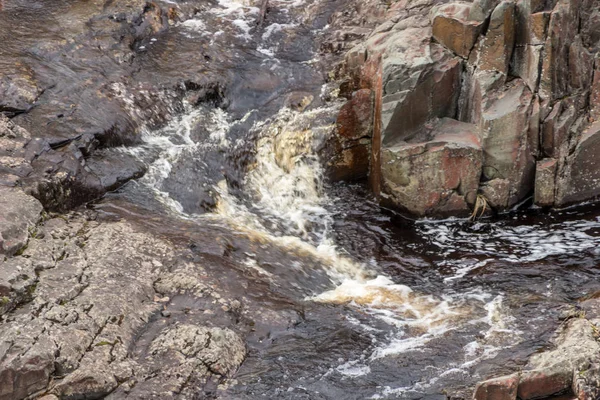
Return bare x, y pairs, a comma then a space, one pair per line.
490, 101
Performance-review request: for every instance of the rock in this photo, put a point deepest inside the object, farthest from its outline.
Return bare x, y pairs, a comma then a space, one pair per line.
580, 179
552, 371
507, 151
555, 129
504, 388
18, 91
20, 213
544, 383
430, 92
495, 49
435, 177
92, 290
527, 64
187, 355
595, 90
586, 382
221, 350
26, 366
452, 27
478, 93
17, 281
354, 132
496, 192
481, 9
556, 371
355, 118
562, 32
545, 175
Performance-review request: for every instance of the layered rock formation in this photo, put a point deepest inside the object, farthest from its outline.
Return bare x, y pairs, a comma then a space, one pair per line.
88, 324
514, 82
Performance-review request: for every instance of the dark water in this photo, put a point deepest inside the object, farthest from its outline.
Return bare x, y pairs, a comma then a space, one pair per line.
485, 295
340, 298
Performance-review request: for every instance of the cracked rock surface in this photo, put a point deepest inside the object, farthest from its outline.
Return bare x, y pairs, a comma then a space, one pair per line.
84, 291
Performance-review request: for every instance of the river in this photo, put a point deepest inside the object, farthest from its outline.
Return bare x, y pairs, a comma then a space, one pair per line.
356, 301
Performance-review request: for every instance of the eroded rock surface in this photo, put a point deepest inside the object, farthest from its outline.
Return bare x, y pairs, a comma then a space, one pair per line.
524, 72
85, 291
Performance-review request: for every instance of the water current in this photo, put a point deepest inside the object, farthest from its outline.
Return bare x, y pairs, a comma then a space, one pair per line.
390, 308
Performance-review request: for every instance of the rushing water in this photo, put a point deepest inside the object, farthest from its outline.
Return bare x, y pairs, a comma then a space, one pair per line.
387, 308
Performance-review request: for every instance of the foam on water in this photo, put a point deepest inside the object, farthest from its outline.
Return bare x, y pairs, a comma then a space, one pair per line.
523, 243
289, 210
287, 205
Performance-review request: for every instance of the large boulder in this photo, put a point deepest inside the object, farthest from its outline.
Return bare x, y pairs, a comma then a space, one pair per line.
506, 143
580, 179
439, 176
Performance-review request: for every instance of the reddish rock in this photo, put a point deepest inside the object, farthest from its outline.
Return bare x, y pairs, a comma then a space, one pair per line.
496, 192
503, 388
545, 178
544, 383
452, 27
586, 383
350, 160
435, 177
355, 119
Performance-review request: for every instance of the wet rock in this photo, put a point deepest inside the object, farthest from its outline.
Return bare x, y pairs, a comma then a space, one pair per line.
354, 132
559, 371
452, 27
435, 177
20, 213
504, 388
